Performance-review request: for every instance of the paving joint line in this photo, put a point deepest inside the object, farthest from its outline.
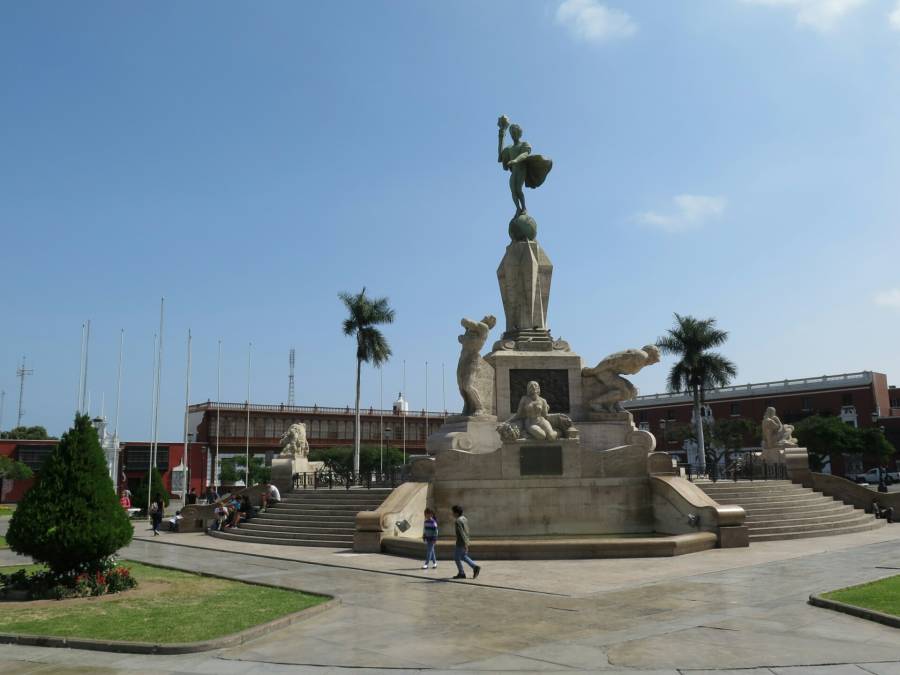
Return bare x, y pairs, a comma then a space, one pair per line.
357, 569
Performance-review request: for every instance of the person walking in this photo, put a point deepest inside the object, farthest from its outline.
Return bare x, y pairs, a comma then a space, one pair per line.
156, 513
461, 551
429, 536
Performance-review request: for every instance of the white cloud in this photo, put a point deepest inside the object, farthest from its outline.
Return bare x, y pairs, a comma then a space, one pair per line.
820, 15
894, 17
592, 21
889, 298
690, 213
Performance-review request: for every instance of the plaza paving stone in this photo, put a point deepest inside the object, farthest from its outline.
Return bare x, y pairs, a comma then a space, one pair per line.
721, 611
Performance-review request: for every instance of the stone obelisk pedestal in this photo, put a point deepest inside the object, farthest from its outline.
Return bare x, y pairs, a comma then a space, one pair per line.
524, 275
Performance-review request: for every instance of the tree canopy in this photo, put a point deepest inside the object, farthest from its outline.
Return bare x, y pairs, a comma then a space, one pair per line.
35, 433
364, 315
697, 368
71, 519
10, 469
234, 469
340, 458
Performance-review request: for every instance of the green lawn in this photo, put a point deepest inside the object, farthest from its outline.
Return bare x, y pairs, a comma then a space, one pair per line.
6, 510
167, 606
3, 542
881, 596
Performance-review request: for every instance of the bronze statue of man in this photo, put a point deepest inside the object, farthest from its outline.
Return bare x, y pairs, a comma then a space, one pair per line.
524, 168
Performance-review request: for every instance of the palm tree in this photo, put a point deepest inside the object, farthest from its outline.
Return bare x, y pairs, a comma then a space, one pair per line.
371, 346
697, 369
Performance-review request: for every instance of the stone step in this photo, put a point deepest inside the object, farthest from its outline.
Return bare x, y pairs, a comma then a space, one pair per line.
280, 541
811, 498
806, 512
299, 528
750, 485
826, 519
803, 534
335, 494
316, 517
331, 500
255, 534
704, 484
819, 507
318, 508
753, 493
854, 519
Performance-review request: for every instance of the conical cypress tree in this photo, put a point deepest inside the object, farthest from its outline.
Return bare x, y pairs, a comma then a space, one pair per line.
72, 516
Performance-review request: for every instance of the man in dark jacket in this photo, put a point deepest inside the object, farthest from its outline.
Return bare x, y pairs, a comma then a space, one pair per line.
461, 552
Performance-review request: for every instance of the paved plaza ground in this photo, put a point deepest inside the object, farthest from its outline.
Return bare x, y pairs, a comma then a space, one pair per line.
733, 610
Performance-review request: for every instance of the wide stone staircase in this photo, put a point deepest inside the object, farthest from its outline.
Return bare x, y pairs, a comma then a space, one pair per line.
779, 509
324, 517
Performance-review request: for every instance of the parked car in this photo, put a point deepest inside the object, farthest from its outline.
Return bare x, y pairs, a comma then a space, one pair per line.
872, 476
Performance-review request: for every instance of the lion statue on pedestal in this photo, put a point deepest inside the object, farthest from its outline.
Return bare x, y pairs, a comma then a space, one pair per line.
293, 442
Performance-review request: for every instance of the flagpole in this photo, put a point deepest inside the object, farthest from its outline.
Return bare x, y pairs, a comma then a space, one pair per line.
187, 450
215, 467
152, 410
115, 467
403, 414
247, 448
87, 347
79, 401
155, 444
381, 423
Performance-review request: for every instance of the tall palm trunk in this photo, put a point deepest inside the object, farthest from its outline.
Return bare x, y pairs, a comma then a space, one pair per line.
356, 435
701, 444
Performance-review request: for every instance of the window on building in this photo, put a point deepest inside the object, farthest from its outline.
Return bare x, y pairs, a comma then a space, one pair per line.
34, 456
847, 399
314, 429
388, 432
332, 429
642, 416
270, 427
807, 403
137, 457
770, 403
735, 408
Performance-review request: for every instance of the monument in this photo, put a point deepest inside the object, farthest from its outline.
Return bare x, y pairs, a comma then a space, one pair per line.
293, 458
544, 457
779, 447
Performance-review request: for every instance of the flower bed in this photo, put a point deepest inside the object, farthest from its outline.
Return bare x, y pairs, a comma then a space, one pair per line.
106, 576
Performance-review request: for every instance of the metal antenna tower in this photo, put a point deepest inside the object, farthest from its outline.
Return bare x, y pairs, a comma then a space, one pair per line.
21, 372
291, 377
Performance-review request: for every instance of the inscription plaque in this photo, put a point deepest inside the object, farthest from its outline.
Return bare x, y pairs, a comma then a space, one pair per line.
540, 460
554, 387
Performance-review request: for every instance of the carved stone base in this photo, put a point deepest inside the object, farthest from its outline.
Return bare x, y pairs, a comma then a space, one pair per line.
476, 434
558, 373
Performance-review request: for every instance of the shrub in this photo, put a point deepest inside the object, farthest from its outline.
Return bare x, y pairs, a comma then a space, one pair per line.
71, 519
105, 576
340, 458
234, 469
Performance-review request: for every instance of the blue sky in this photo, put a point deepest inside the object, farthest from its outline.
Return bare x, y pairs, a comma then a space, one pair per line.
247, 161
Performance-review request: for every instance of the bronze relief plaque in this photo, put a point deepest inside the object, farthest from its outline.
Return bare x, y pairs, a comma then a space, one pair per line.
540, 460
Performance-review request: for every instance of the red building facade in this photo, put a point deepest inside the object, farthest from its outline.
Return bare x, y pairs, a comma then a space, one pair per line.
862, 399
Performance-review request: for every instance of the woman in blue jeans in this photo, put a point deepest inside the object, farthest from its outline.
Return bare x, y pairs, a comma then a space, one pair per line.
429, 536
461, 552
